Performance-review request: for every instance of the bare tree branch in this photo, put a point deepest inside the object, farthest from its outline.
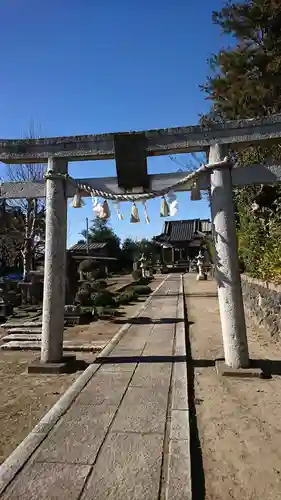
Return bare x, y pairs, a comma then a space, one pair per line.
30, 222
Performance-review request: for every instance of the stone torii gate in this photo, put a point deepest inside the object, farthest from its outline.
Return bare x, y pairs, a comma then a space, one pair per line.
216, 141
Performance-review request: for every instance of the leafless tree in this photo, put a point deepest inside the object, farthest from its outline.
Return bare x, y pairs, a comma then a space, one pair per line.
29, 226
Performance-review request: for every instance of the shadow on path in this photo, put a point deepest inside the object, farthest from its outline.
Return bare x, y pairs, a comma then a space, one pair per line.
269, 367
196, 363
139, 359
145, 320
202, 295
166, 295
77, 365
197, 468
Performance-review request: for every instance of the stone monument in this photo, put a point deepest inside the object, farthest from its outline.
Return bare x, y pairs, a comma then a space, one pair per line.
201, 263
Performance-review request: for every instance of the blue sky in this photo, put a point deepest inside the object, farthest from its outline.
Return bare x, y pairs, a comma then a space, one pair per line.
91, 67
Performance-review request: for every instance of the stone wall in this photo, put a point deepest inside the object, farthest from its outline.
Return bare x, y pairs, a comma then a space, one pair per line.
262, 300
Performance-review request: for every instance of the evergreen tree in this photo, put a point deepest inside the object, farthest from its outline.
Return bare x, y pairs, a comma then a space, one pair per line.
100, 231
245, 82
246, 79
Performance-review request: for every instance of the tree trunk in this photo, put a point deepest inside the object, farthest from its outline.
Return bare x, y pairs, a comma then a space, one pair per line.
30, 220
25, 259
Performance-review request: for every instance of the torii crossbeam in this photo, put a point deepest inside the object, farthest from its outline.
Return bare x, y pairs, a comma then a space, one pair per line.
215, 140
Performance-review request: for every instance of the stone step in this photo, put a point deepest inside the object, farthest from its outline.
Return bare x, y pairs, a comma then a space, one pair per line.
24, 331
22, 337
19, 324
67, 346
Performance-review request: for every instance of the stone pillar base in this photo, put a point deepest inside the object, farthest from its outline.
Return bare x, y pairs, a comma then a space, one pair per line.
66, 365
201, 277
227, 371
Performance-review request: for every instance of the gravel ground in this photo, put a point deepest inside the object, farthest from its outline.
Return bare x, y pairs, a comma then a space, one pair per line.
238, 450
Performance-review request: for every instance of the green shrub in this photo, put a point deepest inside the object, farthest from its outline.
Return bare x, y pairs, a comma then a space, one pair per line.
105, 312
141, 289
126, 297
103, 299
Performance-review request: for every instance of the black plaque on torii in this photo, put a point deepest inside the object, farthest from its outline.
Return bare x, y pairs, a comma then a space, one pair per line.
130, 158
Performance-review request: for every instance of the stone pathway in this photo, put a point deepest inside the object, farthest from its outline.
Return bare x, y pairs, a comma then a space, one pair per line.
127, 433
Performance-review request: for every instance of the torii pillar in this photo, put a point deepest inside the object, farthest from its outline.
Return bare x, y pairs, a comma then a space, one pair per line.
227, 264
54, 272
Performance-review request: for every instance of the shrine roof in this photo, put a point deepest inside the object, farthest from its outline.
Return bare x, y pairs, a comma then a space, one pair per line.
184, 230
96, 245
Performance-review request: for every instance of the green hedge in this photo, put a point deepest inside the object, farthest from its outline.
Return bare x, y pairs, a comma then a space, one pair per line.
103, 299
141, 289
126, 297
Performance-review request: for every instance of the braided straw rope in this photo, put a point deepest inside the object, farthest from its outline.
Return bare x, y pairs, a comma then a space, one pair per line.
226, 162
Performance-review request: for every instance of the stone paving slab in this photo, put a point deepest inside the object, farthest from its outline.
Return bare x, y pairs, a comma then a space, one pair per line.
128, 468
180, 424
179, 476
180, 398
49, 481
151, 375
160, 337
126, 353
78, 436
105, 387
118, 367
118, 423
180, 343
158, 350
143, 409
134, 344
